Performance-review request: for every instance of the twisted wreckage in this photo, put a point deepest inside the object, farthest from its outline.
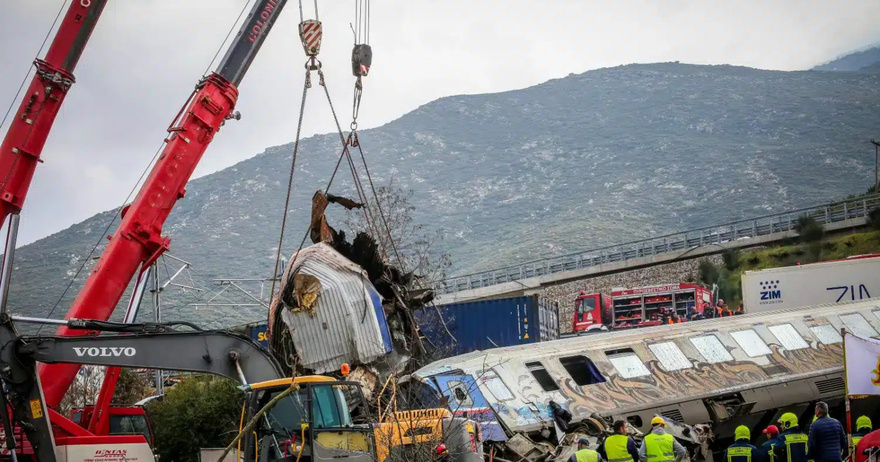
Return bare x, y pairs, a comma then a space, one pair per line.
340, 303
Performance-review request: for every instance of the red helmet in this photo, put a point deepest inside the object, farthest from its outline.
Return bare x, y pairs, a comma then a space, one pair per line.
441, 449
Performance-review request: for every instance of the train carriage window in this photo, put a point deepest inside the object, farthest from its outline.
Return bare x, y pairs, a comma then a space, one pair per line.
858, 325
582, 370
542, 376
497, 387
460, 393
711, 348
751, 343
627, 363
670, 356
788, 336
826, 334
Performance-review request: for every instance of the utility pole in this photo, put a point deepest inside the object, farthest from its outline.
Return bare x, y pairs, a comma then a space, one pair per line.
876, 165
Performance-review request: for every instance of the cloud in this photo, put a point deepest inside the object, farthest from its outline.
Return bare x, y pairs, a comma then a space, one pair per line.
145, 57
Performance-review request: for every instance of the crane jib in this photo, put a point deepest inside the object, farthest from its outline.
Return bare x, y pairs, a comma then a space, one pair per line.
249, 39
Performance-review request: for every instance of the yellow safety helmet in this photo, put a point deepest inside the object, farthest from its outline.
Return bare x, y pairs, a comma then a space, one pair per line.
657, 420
742, 433
863, 422
788, 420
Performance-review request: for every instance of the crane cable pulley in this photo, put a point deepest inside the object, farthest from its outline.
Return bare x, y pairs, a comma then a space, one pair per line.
361, 60
361, 54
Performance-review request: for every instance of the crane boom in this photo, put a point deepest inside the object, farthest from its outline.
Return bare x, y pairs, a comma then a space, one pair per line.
138, 240
29, 128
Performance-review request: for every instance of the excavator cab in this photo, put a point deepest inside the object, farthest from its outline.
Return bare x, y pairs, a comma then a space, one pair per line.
323, 419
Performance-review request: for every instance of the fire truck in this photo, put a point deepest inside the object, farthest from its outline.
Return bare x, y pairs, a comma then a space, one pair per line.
639, 307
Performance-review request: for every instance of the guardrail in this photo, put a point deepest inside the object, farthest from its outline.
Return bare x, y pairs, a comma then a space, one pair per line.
743, 229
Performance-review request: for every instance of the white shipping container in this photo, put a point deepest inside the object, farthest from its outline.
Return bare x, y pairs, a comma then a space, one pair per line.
817, 283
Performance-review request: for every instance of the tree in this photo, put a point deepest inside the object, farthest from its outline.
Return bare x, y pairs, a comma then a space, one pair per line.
84, 389
731, 259
809, 229
199, 412
415, 245
130, 388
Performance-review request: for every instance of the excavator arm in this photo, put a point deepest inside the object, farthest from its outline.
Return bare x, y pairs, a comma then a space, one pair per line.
214, 352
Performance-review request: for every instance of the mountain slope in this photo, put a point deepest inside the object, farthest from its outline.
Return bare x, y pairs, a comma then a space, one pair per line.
853, 61
574, 163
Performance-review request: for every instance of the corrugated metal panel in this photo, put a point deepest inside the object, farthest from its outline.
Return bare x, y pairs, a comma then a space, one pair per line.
487, 324
349, 325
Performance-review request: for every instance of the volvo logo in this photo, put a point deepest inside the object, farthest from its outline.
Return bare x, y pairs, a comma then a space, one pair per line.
95, 352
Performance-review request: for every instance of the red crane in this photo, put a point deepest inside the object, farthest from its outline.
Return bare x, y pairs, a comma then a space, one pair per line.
30, 126
138, 240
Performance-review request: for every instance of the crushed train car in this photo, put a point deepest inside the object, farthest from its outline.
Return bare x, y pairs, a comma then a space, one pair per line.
744, 370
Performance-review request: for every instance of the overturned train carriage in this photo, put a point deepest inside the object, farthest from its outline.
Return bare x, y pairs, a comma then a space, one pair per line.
726, 372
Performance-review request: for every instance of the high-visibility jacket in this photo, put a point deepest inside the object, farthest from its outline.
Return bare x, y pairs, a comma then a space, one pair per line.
616, 449
587, 455
856, 437
793, 444
741, 451
658, 447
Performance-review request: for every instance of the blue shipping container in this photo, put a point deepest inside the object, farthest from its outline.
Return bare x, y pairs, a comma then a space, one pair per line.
484, 324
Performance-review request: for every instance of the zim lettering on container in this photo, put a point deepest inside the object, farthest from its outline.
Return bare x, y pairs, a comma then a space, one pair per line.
770, 292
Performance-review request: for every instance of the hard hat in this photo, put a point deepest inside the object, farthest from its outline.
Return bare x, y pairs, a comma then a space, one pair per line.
583, 440
771, 430
441, 449
657, 420
742, 433
863, 422
788, 420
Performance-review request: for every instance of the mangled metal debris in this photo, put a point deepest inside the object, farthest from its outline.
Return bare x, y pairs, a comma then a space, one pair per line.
341, 303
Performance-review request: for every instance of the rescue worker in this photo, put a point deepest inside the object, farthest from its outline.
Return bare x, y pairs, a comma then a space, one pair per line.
619, 447
791, 444
442, 453
584, 453
741, 450
739, 309
659, 446
863, 427
766, 449
827, 440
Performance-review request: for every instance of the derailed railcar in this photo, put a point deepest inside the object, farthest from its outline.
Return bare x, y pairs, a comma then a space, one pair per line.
725, 372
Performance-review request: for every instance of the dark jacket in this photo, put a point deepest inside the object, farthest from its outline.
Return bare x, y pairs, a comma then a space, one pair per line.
827, 441
728, 454
780, 450
765, 450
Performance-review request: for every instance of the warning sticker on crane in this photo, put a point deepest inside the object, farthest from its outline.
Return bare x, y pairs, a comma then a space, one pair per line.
36, 408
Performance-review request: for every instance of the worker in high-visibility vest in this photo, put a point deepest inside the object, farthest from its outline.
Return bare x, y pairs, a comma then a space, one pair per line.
584, 453
659, 446
619, 447
791, 444
863, 427
741, 450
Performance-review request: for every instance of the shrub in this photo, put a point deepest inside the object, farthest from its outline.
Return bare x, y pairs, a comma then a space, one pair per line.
809, 229
199, 412
708, 272
731, 259
874, 219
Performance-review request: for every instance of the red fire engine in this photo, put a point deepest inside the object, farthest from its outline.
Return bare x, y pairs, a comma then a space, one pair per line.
640, 307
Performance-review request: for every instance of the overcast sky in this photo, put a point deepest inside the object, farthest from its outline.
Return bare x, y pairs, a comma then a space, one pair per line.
146, 55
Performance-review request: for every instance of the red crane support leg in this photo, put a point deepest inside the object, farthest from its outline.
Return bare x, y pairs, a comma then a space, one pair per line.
138, 240
30, 125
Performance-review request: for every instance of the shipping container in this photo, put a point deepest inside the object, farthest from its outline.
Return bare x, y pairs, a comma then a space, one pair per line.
479, 325
254, 330
848, 280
